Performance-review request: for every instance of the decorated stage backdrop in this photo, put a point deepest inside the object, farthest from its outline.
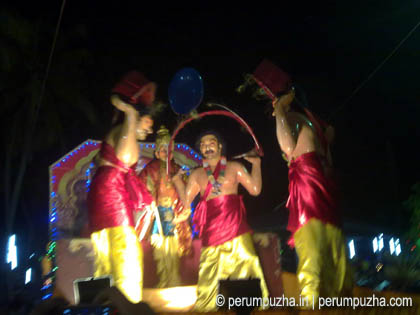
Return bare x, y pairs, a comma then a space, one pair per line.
70, 178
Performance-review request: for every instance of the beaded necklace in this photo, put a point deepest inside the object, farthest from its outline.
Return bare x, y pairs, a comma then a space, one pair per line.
216, 184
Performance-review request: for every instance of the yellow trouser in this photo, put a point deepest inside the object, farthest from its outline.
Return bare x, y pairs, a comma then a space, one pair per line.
119, 254
165, 253
235, 259
323, 269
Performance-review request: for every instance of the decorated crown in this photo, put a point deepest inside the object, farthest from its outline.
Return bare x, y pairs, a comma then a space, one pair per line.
163, 137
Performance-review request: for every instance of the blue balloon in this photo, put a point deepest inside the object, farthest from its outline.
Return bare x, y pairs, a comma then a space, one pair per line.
185, 90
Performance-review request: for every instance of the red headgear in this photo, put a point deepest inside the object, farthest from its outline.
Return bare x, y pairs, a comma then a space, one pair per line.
272, 79
132, 86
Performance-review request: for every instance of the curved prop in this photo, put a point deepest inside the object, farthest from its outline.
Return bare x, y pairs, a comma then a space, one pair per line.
243, 123
227, 113
185, 90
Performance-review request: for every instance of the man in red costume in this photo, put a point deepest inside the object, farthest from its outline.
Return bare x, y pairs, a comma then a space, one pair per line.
116, 191
314, 219
220, 218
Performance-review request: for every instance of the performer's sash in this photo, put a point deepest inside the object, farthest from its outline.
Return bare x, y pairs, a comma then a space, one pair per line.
220, 219
311, 193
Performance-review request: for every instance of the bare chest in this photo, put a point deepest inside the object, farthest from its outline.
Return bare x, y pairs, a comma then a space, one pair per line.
228, 183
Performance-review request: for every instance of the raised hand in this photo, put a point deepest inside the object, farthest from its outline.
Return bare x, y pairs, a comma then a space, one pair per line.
253, 159
122, 106
179, 174
184, 215
282, 103
251, 156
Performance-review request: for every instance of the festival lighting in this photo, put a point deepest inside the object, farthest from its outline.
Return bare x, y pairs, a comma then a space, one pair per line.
12, 252
88, 175
397, 247
375, 245
352, 249
381, 241
47, 286
28, 275
47, 296
391, 246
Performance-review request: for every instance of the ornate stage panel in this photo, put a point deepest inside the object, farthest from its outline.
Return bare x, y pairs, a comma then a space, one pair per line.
70, 178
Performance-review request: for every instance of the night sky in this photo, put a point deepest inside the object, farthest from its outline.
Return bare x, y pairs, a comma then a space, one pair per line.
328, 49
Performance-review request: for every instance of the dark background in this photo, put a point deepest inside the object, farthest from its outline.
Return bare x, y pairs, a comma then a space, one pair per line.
329, 49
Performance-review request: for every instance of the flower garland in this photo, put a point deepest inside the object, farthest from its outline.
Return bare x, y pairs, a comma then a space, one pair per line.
217, 184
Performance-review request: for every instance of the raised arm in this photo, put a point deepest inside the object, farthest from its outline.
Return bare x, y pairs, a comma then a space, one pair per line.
186, 194
192, 189
284, 133
179, 184
252, 182
125, 142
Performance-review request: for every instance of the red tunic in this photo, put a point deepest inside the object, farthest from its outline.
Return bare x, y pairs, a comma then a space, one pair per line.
311, 193
220, 219
115, 193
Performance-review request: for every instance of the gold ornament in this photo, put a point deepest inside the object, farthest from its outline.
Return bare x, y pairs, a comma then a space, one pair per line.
163, 137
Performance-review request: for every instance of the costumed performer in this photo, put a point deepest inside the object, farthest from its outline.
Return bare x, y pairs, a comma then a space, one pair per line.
314, 218
170, 240
220, 217
116, 192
